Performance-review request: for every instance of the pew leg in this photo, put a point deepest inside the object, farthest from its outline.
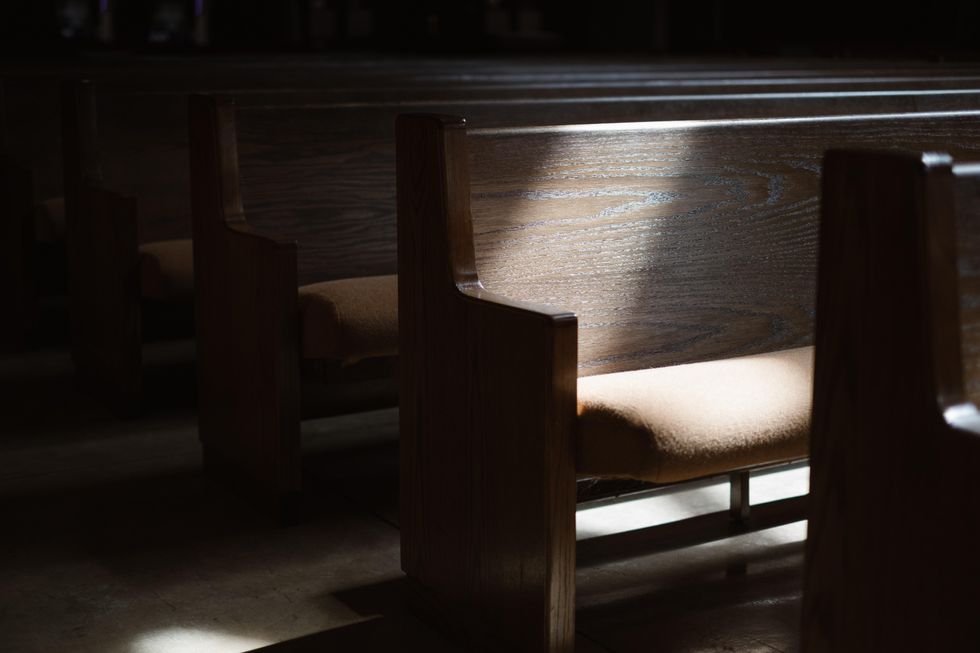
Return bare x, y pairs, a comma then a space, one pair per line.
739, 505
248, 373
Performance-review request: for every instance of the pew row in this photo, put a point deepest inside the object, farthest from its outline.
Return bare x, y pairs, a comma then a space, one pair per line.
891, 561
615, 300
137, 278
321, 177
121, 287
143, 135
378, 80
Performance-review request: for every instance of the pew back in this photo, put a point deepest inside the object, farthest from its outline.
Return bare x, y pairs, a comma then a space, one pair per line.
143, 132
324, 174
672, 242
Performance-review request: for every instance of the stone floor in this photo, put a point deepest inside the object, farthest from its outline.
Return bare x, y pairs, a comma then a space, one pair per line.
112, 541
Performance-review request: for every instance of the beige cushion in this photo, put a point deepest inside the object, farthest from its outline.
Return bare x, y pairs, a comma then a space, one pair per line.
350, 319
167, 270
49, 220
678, 423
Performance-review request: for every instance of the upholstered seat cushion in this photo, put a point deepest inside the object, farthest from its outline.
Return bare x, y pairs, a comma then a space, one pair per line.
167, 270
49, 220
677, 423
350, 319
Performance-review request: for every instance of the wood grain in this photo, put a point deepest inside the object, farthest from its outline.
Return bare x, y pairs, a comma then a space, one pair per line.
497, 549
672, 243
34, 91
891, 553
668, 243
320, 176
968, 257
144, 137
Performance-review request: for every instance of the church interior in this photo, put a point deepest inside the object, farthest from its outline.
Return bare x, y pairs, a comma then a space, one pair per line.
489, 325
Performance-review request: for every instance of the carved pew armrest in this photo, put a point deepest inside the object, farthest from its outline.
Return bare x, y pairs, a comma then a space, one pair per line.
267, 238
491, 301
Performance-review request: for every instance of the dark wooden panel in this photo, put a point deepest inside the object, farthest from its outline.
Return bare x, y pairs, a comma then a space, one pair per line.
34, 95
144, 136
246, 316
16, 235
891, 550
672, 243
583, 218
495, 551
968, 244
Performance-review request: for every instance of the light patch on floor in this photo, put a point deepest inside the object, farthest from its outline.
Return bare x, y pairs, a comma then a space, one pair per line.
194, 640
687, 501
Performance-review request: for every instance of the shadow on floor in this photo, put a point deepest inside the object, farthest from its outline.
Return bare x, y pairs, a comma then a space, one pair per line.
378, 635
715, 598
389, 626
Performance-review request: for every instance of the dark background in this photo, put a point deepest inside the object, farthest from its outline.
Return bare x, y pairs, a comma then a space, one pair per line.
944, 29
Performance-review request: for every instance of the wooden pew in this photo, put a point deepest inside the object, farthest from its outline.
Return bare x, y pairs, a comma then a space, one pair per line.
161, 107
891, 561
322, 177
147, 162
383, 79
537, 264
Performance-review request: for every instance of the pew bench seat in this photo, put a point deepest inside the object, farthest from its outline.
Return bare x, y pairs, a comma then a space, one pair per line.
350, 319
677, 423
167, 270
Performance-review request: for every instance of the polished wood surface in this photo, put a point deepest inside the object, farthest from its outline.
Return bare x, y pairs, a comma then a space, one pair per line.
672, 243
247, 323
895, 514
968, 257
143, 142
461, 515
667, 242
144, 145
322, 177
250, 387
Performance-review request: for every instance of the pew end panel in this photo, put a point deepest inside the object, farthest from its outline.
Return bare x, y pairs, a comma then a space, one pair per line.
505, 391
107, 345
672, 244
247, 323
968, 253
894, 431
102, 245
